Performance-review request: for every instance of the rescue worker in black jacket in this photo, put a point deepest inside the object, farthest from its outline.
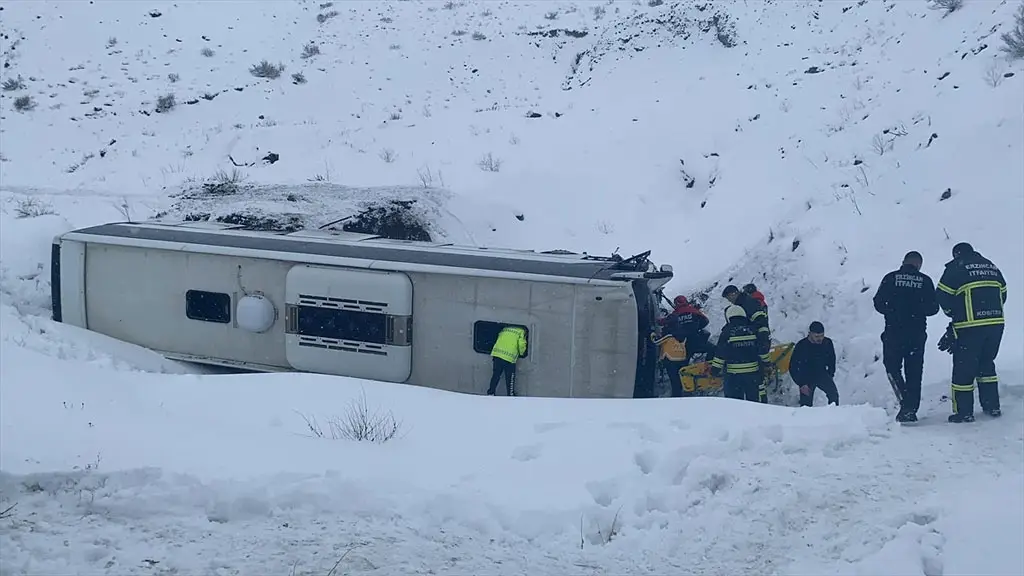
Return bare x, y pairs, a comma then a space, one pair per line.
906, 297
813, 366
688, 324
739, 356
756, 314
972, 292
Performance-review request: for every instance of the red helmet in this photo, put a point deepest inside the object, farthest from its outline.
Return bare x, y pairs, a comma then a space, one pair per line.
680, 301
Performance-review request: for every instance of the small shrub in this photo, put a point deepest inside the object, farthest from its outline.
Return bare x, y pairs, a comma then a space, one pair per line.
449, 5
388, 155
206, 51
166, 103
224, 183
111, 42
598, 12
298, 78
479, 36
310, 50
266, 70
32, 208
24, 103
993, 75
12, 84
360, 423
458, 33
551, 15
489, 163
1014, 39
324, 17
655, 3
395, 47
949, 6
172, 77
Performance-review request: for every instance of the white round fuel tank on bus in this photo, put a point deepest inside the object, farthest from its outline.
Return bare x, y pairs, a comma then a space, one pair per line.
255, 313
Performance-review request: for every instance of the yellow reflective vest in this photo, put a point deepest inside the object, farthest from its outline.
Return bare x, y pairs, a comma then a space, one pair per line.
669, 348
511, 344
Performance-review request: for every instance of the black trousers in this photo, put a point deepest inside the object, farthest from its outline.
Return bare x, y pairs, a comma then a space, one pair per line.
827, 385
743, 386
498, 368
903, 358
672, 367
974, 359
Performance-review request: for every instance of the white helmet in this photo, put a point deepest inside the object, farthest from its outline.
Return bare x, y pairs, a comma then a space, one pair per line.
734, 311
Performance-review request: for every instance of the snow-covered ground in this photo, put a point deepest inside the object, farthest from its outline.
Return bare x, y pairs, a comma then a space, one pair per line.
808, 157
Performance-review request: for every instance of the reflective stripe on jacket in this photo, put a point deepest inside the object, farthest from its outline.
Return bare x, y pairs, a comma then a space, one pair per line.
738, 350
510, 345
972, 292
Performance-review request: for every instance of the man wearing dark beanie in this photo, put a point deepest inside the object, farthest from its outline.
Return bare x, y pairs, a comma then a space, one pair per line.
813, 365
906, 298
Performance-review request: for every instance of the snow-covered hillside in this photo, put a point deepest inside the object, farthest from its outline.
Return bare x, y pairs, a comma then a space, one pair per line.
801, 145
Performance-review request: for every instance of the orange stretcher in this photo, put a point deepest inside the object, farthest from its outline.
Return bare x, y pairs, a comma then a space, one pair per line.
697, 378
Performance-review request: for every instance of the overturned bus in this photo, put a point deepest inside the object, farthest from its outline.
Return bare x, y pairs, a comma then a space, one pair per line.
364, 306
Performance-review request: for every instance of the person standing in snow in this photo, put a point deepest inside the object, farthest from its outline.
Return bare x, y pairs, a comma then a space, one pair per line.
813, 366
757, 316
906, 298
688, 325
508, 349
672, 355
739, 358
972, 292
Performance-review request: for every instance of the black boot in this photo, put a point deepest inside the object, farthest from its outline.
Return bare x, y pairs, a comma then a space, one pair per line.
994, 412
960, 418
906, 416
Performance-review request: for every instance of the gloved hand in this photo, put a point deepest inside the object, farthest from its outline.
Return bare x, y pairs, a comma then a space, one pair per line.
948, 340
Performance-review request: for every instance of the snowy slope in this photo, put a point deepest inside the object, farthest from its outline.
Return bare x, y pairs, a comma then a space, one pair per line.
808, 158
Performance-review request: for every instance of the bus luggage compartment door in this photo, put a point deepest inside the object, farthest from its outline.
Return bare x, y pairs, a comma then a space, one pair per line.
349, 322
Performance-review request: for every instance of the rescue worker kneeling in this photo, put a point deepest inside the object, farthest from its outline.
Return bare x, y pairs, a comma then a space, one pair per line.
741, 356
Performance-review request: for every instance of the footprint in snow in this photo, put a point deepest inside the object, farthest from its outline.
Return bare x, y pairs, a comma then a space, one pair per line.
527, 453
646, 461
644, 431
545, 427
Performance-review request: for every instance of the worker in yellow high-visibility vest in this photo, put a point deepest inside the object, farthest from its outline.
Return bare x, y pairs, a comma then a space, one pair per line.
508, 349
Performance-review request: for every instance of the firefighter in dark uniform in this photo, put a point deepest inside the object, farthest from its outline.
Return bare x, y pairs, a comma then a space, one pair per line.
906, 298
739, 356
972, 292
757, 315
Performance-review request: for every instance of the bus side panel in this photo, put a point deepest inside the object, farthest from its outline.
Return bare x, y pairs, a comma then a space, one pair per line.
68, 283
606, 342
140, 296
450, 313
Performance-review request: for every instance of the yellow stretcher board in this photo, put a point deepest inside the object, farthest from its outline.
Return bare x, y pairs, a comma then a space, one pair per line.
697, 378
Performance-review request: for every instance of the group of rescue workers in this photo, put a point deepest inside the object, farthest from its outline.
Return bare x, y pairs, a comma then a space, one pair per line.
971, 292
